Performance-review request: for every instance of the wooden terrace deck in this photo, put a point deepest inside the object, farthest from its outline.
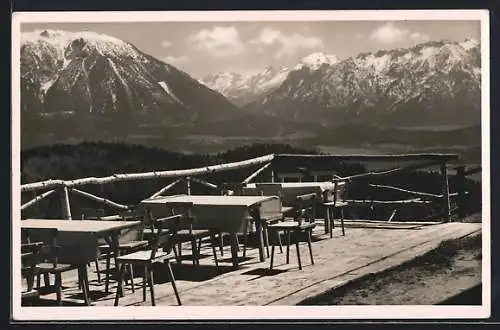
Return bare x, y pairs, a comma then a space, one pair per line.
337, 261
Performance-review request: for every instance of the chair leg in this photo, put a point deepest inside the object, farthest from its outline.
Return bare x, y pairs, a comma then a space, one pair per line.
214, 251
98, 271
193, 251
310, 246
144, 277
175, 253
172, 280
266, 239
342, 220
298, 253
272, 255
58, 289
131, 274
221, 244
245, 239
38, 280
278, 233
288, 239
327, 220
198, 253
46, 279
151, 287
108, 270
237, 242
120, 283
80, 279
179, 248
85, 285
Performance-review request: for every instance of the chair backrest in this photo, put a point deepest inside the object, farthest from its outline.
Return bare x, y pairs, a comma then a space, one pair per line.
48, 250
186, 210
305, 206
88, 213
340, 190
163, 231
269, 189
235, 187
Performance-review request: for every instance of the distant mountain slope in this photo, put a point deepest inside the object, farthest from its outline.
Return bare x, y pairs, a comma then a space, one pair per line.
86, 74
437, 82
242, 89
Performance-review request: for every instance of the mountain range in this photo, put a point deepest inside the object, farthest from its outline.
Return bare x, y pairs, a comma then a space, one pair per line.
91, 86
242, 89
433, 83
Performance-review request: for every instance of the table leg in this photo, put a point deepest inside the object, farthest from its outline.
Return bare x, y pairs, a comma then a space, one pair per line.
259, 234
234, 249
82, 273
327, 219
114, 246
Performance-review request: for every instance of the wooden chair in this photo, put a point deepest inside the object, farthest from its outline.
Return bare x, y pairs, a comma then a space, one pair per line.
336, 206
186, 233
29, 261
124, 247
302, 224
48, 259
265, 189
158, 252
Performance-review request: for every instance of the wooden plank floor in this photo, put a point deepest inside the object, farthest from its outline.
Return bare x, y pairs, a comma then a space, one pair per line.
337, 261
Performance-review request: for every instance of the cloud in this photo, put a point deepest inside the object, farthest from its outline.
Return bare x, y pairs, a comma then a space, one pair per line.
173, 59
166, 44
288, 44
390, 34
417, 36
220, 41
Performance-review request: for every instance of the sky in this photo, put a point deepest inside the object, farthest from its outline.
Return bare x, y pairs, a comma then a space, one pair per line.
203, 48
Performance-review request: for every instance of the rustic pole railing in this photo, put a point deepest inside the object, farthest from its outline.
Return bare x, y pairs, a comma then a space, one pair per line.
36, 199
254, 174
268, 161
412, 192
65, 204
446, 192
460, 184
166, 188
205, 183
149, 175
99, 199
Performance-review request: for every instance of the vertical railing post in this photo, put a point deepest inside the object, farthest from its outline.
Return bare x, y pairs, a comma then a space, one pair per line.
65, 205
460, 184
188, 185
445, 192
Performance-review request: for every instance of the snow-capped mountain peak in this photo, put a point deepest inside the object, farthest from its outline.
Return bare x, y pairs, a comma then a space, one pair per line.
83, 73
315, 60
469, 43
70, 44
245, 88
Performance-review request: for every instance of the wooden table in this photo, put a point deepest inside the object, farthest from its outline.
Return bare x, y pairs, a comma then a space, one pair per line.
288, 191
77, 232
224, 214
